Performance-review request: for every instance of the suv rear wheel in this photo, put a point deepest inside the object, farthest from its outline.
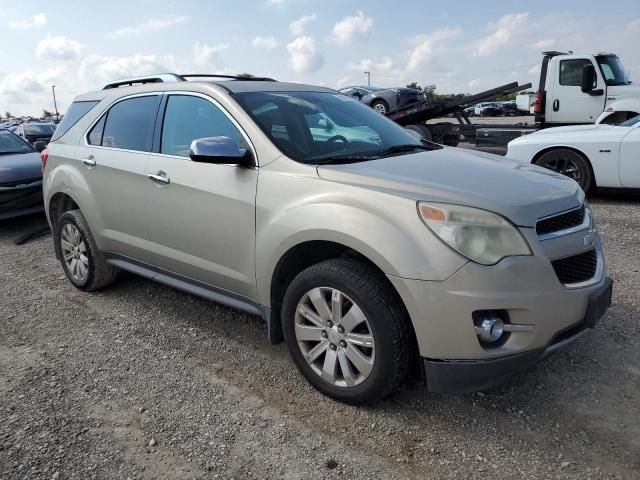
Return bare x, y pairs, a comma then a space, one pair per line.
79, 254
346, 331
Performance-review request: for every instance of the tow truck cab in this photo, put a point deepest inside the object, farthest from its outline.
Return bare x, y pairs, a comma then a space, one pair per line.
580, 89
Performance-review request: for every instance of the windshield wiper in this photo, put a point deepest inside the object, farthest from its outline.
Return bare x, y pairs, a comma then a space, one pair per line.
345, 158
16, 153
405, 148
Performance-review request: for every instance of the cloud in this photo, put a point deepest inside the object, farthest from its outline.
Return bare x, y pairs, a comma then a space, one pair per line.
297, 26
151, 25
204, 54
425, 45
379, 67
349, 27
543, 44
96, 70
502, 32
59, 48
265, 42
276, 3
37, 20
344, 81
634, 25
473, 83
303, 56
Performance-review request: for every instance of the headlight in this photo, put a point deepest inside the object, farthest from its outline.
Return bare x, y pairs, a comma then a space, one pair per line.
479, 235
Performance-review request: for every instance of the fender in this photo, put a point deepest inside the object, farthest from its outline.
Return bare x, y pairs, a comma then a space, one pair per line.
621, 105
392, 236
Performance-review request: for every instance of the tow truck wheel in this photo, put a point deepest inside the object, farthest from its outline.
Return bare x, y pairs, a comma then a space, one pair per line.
421, 130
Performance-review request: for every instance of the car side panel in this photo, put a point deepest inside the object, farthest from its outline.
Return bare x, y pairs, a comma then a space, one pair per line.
630, 159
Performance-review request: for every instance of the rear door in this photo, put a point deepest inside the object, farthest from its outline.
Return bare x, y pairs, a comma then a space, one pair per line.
202, 219
568, 103
114, 156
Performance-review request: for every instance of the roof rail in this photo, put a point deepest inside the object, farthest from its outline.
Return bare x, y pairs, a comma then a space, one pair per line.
231, 77
127, 82
174, 77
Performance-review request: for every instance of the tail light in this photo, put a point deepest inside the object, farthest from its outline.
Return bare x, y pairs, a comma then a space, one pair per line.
538, 103
44, 156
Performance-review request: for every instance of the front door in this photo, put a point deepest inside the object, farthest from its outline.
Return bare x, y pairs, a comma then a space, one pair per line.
201, 221
569, 104
630, 159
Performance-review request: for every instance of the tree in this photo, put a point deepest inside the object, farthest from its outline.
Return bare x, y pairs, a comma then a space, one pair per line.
8, 114
414, 85
47, 113
430, 92
246, 75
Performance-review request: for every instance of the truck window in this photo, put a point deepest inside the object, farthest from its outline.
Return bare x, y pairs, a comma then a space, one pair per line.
571, 72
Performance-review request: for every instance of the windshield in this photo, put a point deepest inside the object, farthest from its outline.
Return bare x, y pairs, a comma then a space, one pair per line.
11, 143
34, 130
631, 122
314, 126
613, 71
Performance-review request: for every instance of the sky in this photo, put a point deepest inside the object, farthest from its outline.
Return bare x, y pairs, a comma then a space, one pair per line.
461, 46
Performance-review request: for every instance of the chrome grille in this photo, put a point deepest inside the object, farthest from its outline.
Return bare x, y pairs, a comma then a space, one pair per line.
561, 222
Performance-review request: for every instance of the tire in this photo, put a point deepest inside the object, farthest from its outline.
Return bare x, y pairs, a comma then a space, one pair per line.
450, 140
422, 130
380, 106
90, 271
390, 347
569, 163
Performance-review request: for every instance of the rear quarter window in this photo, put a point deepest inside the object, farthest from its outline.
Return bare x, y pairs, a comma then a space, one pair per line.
76, 111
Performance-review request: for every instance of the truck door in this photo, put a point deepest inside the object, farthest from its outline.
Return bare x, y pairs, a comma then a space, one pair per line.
567, 103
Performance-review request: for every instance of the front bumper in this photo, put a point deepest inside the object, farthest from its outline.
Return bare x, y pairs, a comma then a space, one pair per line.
463, 376
23, 200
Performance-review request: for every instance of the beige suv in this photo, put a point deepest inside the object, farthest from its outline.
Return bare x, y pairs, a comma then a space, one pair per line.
370, 251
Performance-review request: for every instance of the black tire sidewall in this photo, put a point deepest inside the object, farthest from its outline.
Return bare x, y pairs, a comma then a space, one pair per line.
377, 381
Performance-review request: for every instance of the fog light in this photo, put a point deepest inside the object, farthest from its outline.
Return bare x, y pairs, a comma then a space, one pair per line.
490, 329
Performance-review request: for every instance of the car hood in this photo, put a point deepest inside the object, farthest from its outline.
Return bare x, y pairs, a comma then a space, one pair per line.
24, 166
522, 193
624, 91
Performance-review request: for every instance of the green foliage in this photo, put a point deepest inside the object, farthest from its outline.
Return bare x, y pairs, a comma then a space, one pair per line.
47, 113
246, 75
432, 96
8, 115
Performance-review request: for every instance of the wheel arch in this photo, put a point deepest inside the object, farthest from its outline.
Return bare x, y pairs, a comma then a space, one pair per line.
548, 149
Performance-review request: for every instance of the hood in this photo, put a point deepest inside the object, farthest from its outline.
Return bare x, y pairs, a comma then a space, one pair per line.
522, 193
624, 91
16, 168
571, 129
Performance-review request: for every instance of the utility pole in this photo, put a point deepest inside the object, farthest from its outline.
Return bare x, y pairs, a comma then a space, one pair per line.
55, 104
368, 74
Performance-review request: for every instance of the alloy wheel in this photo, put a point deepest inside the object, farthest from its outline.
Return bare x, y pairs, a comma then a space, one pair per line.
74, 252
563, 165
334, 337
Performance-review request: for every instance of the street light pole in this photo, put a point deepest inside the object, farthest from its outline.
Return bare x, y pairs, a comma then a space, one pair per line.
368, 74
55, 104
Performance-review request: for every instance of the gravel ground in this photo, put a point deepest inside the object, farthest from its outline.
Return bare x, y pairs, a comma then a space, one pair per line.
141, 381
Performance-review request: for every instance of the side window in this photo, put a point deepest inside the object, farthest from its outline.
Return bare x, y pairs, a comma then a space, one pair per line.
95, 135
571, 72
188, 118
76, 111
129, 124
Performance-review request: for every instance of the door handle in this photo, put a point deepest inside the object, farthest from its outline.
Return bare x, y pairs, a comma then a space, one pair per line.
159, 177
89, 161
556, 105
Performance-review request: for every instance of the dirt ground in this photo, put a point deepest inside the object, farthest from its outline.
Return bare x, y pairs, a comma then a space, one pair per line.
140, 381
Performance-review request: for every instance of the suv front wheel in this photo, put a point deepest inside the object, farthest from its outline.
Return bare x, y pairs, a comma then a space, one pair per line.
346, 331
79, 254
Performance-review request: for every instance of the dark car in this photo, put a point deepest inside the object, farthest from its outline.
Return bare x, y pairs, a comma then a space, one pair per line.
20, 177
36, 131
510, 109
383, 100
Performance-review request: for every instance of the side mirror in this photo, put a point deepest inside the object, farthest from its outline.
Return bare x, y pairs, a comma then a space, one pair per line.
588, 78
358, 95
39, 146
221, 151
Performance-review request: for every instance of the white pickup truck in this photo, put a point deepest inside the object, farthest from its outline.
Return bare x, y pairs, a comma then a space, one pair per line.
581, 89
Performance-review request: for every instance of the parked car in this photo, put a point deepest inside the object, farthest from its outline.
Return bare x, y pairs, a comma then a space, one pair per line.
488, 109
509, 109
382, 100
36, 131
20, 177
369, 254
599, 155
